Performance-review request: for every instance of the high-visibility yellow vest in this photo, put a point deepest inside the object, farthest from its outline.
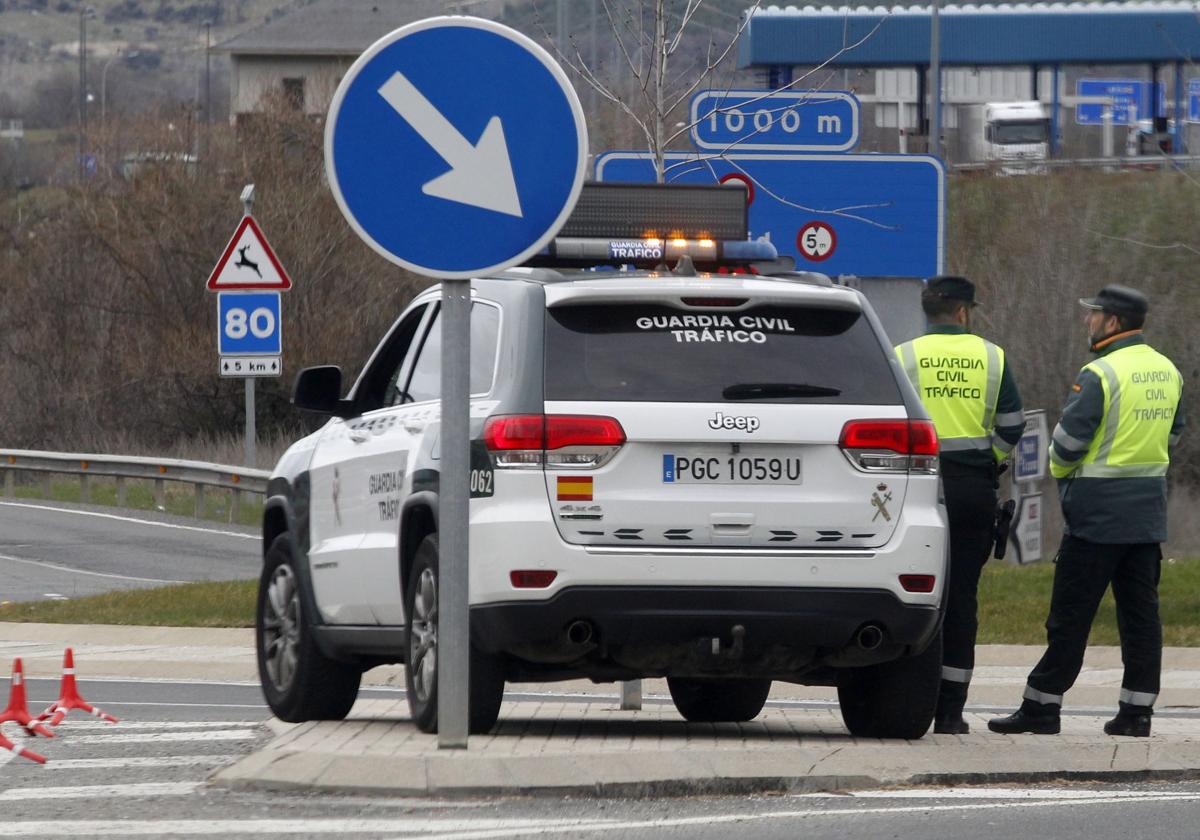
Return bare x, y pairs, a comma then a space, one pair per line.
1142, 389
957, 377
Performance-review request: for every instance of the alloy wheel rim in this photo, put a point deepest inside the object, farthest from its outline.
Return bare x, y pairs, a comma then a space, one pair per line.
423, 637
281, 628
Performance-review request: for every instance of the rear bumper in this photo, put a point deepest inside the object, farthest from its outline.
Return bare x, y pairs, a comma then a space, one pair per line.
816, 619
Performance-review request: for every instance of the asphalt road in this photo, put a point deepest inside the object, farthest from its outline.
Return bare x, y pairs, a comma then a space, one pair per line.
50, 551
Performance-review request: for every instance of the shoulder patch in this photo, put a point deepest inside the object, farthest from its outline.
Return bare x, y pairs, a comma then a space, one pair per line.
1077, 387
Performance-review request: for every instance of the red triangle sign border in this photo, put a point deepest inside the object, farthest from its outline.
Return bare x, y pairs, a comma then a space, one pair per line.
248, 222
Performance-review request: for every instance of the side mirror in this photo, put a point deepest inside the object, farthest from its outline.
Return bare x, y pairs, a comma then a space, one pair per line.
319, 389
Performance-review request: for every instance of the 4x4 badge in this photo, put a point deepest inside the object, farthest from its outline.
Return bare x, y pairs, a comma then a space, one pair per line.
880, 502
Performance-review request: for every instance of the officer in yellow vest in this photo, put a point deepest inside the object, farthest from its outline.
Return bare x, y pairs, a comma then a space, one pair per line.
1110, 456
972, 398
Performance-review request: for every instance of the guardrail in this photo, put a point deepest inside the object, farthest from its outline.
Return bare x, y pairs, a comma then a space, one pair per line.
1161, 161
159, 470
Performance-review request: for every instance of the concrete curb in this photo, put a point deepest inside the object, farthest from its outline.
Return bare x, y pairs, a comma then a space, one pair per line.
646, 773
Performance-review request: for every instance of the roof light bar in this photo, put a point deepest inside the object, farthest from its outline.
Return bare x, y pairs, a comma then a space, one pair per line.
652, 252
658, 211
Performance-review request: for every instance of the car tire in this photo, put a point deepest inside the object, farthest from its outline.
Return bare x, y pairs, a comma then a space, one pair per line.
718, 700
893, 699
486, 680
299, 682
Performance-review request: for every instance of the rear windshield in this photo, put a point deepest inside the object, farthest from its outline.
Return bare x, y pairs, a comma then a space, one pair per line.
765, 354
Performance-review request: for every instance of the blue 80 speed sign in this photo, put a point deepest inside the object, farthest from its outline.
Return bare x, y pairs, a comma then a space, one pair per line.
249, 323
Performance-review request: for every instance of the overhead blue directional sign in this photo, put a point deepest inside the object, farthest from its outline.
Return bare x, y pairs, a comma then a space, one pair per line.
1131, 101
1193, 104
455, 146
869, 215
249, 324
775, 121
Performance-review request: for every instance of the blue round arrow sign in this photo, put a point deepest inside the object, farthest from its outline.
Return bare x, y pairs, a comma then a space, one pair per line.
455, 146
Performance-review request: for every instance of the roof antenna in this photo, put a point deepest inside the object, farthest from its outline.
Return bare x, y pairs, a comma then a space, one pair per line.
685, 267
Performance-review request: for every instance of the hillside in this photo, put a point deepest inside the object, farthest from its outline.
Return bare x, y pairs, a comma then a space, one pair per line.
155, 47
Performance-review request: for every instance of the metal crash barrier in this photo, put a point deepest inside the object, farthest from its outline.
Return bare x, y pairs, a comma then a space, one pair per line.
159, 470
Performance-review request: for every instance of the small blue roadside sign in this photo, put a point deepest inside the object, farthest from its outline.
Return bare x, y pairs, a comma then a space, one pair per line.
775, 121
1131, 101
455, 146
1193, 101
249, 324
1032, 450
868, 215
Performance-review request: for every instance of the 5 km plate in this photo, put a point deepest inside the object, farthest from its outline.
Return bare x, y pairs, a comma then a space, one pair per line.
731, 469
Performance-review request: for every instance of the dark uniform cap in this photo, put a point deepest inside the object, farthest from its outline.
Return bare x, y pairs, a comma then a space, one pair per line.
1118, 300
953, 287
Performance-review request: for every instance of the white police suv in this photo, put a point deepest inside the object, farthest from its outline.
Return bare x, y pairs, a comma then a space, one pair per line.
694, 472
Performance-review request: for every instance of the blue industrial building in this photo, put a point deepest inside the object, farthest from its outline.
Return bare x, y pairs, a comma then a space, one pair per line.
1162, 36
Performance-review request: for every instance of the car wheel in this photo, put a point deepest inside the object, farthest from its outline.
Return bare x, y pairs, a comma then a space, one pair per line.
893, 699
421, 663
299, 682
718, 700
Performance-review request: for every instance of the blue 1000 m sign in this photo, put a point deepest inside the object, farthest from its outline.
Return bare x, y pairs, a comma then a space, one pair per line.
775, 121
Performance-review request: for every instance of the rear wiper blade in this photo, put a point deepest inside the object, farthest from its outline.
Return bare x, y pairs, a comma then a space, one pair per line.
767, 390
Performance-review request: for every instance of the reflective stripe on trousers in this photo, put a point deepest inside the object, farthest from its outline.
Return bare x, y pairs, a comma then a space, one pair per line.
1137, 698
1042, 697
957, 675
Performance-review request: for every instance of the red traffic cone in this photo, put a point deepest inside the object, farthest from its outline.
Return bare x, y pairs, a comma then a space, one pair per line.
18, 708
6, 744
70, 698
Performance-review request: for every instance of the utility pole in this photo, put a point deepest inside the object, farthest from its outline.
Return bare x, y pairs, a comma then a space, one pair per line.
84, 11
207, 86
935, 71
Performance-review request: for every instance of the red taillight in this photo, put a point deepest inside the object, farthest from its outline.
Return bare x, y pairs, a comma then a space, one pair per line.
531, 578
918, 583
568, 441
578, 430
515, 431
868, 442
907, 437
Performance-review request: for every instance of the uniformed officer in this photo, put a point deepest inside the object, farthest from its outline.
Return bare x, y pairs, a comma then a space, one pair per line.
1110, 456
972, 398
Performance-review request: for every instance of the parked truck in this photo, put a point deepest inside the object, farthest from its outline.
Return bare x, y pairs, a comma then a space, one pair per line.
1014, 136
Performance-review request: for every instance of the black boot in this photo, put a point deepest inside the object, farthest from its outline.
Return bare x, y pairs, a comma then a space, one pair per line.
1134, 725
1034, 718
951, 725
947, 717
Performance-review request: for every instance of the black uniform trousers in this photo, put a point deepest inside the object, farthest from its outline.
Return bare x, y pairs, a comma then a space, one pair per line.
1081, 577
971, 506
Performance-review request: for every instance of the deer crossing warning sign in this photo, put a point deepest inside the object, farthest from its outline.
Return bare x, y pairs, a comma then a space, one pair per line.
248, 262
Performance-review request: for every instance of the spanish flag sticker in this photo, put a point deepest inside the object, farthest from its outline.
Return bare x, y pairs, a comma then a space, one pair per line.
575, 488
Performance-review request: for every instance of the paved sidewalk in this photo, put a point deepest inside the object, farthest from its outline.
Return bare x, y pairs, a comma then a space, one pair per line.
572, 737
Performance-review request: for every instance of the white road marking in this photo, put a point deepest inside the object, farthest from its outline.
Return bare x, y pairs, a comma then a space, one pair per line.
60, 568
99, 791
113, 516
166, 737
307, 828
584, 826
987, 793
484, 829
125, 725
131, 762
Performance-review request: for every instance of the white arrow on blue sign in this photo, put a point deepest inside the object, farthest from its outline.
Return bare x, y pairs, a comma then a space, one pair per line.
455, 146
775, 121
